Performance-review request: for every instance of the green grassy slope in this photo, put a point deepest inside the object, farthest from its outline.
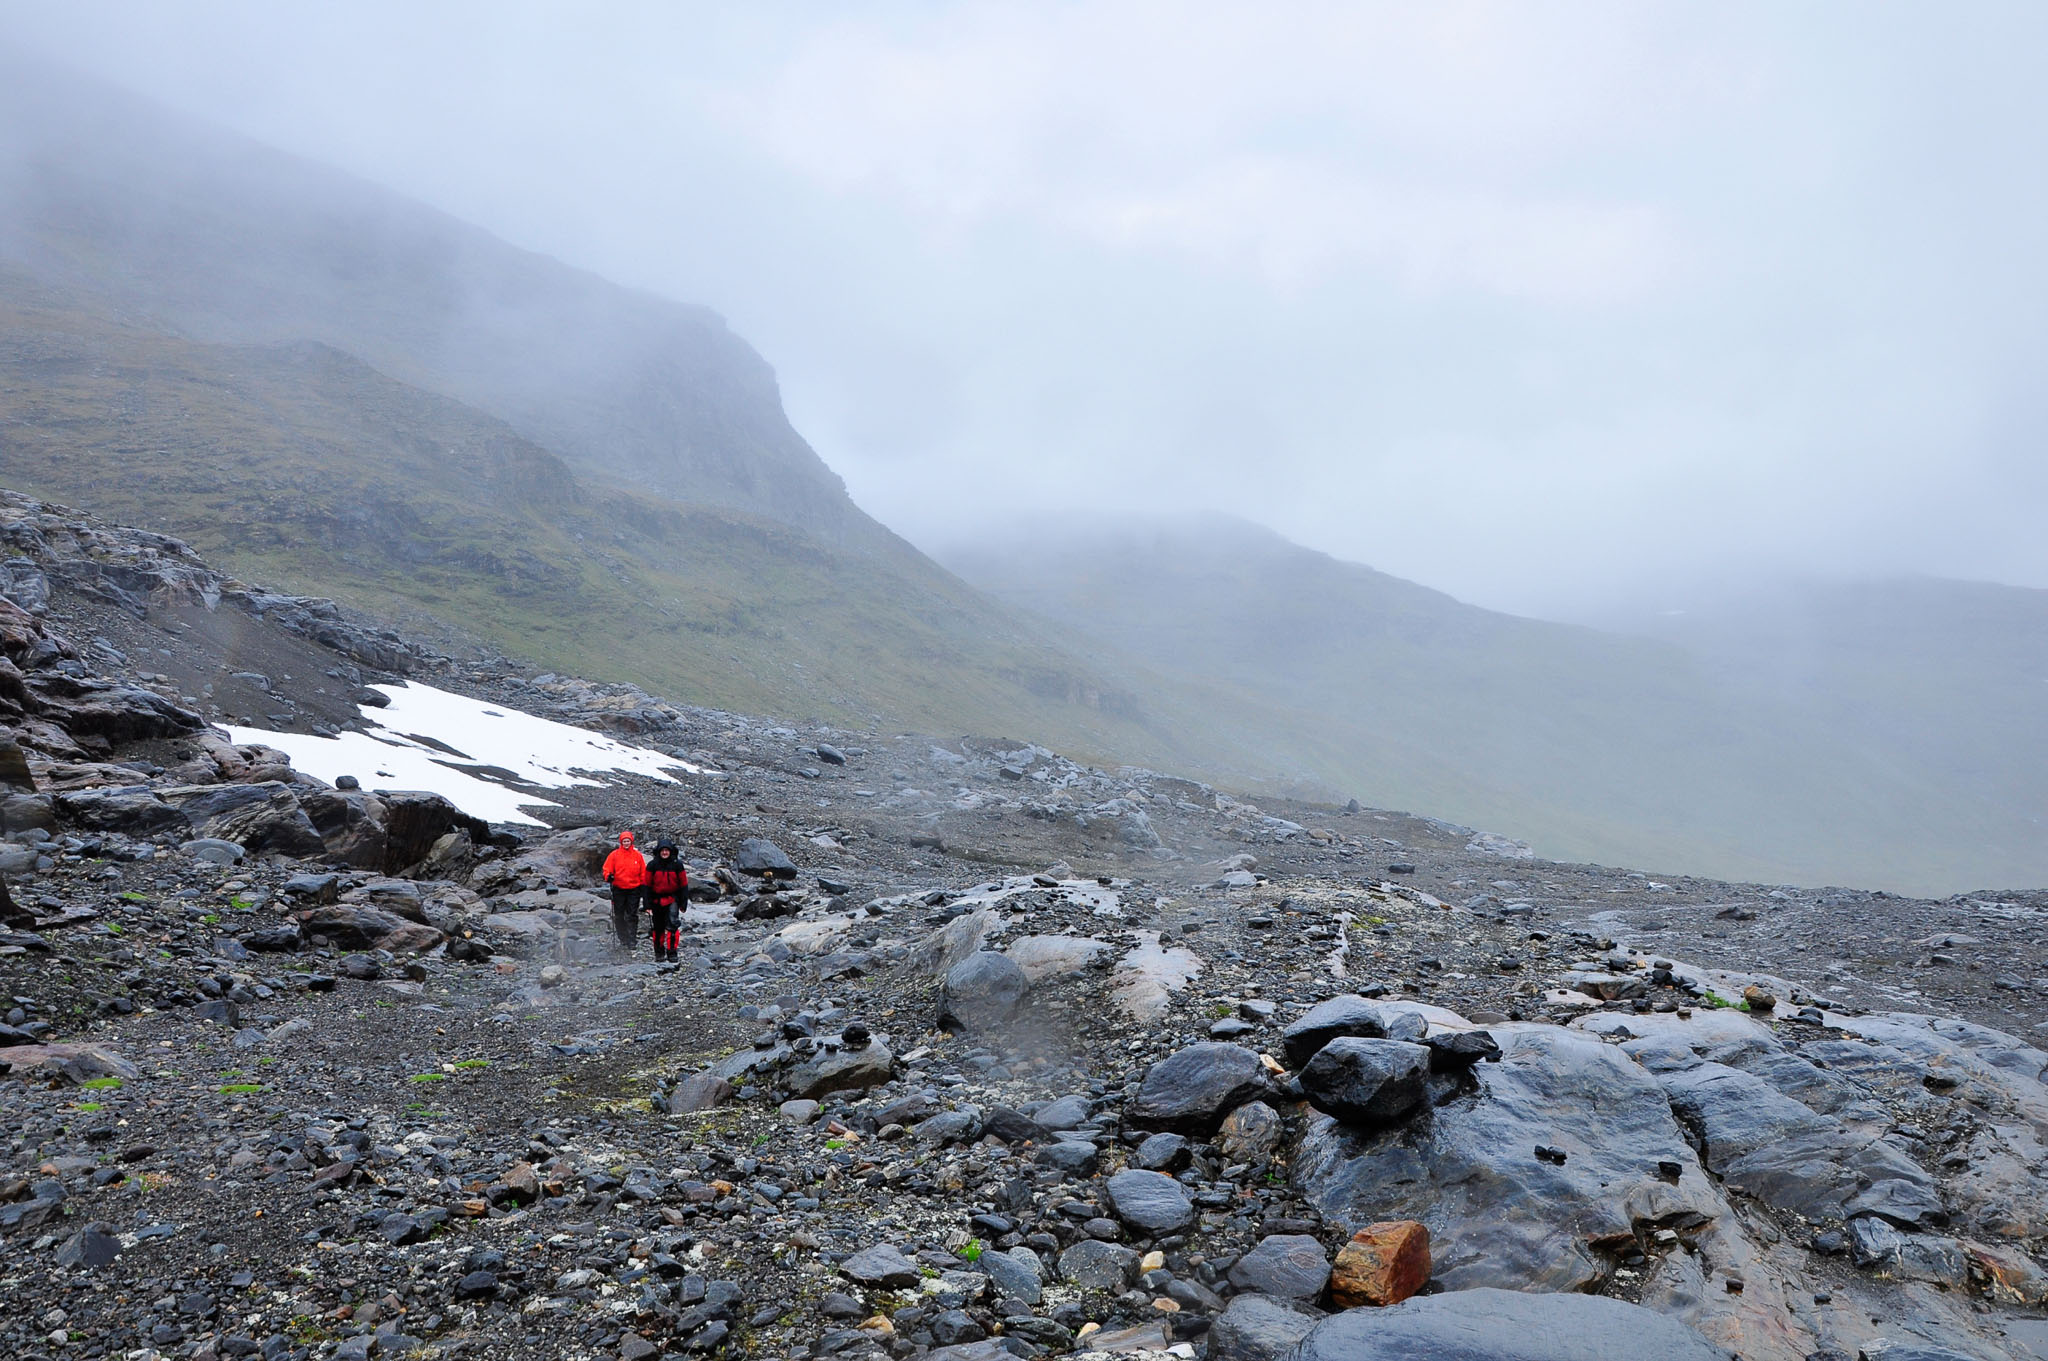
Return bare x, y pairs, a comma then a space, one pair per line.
301, 467
1626, 750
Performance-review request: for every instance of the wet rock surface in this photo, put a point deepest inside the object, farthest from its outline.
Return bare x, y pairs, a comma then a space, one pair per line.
294, 1070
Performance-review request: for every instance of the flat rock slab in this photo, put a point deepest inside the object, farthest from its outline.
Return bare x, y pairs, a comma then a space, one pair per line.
880, 1267
1467, 1170
1504, 1325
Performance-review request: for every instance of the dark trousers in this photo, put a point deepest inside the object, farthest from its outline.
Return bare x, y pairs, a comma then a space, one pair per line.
667, 931
626, 913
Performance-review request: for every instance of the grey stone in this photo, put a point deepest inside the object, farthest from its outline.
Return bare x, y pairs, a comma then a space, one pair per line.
88, 1249
880, 1267
1368, 1083
1162, 1153
982, 991
1017, 1273
1190, 1092
213, 850
1504, 1325
1077, 1157
1095, 1265
1260, 1328
698, 1092
1467, 1169
840, 1070
1065, 1113
763, 859
1151, 1203
1349, 1015
1291, 1265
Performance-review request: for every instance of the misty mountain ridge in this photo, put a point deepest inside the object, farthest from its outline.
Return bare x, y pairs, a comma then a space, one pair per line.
1909, 759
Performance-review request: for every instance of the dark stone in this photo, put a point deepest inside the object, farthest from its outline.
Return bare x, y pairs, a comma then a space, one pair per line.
763, 859
1349, 1015
1504, 1325
1151, 1203
983, 990
1367, 1083
1260, 1328
1190, 1092
1286, 1264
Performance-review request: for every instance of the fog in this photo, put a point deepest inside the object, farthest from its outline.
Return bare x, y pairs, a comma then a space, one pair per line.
1557, 310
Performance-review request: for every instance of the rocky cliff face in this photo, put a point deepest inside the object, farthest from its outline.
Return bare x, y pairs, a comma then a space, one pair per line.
969, 1050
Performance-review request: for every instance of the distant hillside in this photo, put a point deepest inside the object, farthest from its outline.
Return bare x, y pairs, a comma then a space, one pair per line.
228, 241
301, 466
1590, 744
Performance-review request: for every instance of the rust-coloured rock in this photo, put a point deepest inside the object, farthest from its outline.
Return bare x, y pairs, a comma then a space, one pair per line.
1383, 1264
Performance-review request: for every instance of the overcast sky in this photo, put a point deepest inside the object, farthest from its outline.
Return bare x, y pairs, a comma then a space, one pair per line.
1534, 303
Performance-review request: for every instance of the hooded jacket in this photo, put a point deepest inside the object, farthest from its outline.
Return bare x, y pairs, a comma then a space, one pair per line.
668, 878
625, 867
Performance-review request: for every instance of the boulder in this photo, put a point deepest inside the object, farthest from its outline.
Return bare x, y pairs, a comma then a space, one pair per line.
698, 1092
275, 823
414, 820
74, 1063
982, 991
1191, 1091
1150, 1204
352, 926
1260, 1328
1497, 1214
840, 1070
350, 824
1383, 1264
1251, 1134
15, 775
133, 810
1017, 1274
880, 1267
1349, 1015
1290, 1265
1504, 1325
763, 859
1092, 1264
1367, 1083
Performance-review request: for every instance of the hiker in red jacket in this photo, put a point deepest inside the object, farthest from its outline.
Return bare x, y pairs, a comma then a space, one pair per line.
668, 894
625, 869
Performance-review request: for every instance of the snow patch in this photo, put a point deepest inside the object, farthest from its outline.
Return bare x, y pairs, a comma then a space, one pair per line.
408, 746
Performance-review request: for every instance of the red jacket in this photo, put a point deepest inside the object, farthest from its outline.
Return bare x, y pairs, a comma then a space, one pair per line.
625, 868
669, 882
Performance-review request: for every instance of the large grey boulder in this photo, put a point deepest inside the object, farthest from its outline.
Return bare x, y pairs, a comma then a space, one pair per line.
1190, 1092
1367, 1083
840, 1070
1497, 1214
1291, 1265
1335, 1018
880, 1267
1260, 1328
1092, 1264
983, 990
1149, 1203
1504, 1325
763, 859
132, 810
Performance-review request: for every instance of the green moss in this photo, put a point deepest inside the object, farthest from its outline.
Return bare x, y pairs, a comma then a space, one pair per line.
100, 1084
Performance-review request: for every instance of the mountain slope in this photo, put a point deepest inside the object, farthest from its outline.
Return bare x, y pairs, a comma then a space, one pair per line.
300, 465
1590, 744
228, 241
